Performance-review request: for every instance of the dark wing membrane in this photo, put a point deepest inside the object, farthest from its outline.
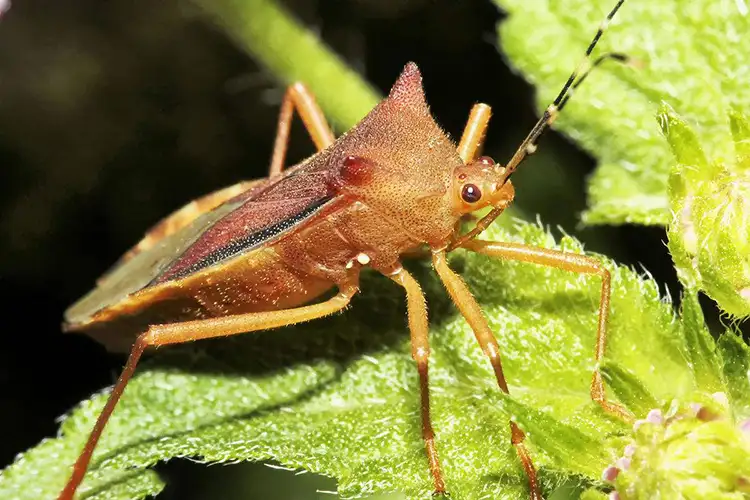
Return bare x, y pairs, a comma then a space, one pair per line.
237, 226
259, 220
184, 216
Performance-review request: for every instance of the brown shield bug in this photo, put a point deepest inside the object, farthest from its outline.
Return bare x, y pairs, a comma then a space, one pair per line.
255, 256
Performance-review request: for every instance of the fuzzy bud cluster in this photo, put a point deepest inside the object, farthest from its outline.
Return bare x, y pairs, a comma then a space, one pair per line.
709, 236
692, 451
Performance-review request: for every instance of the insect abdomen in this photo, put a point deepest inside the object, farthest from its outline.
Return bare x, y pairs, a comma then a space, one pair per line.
256, 281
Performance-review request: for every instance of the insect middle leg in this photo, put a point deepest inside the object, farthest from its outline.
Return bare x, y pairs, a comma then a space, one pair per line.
299, 96
420, 351
578, 264
178, 333
470, 310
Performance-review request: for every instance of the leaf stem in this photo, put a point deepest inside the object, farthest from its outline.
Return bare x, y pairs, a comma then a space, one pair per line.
292, 53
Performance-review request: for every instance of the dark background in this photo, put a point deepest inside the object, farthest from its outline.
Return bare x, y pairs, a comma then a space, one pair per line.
113, 114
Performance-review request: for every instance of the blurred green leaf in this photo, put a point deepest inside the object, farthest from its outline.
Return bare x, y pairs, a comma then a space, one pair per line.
682, 140
740, 126
340, 396
691, 54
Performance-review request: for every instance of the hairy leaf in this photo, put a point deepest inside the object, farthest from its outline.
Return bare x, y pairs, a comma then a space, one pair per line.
340, 396
690, 54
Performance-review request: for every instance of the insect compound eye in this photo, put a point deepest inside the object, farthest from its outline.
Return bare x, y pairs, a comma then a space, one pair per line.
486, 161
470, 193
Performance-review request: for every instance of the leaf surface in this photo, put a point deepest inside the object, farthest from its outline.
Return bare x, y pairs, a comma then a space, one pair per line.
340, 396
693, 55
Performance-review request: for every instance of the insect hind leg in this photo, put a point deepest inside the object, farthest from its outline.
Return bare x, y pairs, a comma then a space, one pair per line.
177, 333
299, 97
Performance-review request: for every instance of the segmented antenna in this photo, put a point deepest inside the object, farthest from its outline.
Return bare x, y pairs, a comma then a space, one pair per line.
528, 146
575, 79
617, 56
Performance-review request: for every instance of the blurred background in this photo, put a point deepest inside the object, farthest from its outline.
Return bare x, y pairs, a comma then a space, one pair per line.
113, 114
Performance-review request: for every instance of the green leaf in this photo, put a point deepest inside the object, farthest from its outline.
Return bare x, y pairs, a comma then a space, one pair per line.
704, 362
340, 396
683, 141
736, 366
592, 494
740, 126
628, 388
690, 54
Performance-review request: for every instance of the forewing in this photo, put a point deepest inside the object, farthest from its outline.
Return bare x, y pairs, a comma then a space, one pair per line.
259, 220
183, 217
237, 226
